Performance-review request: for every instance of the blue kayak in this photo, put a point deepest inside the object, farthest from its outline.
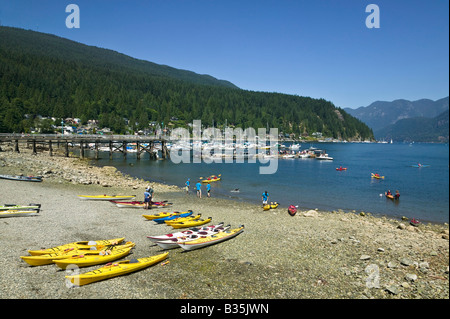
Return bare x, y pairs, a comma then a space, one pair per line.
162, 220
422, 165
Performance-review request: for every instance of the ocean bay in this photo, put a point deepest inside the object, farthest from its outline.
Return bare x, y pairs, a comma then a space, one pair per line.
312, 183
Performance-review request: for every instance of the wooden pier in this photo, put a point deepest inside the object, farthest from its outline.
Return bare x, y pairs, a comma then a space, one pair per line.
114, 143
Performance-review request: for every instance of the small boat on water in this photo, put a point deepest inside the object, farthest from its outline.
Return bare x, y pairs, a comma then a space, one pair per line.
324, 156
341, 168
22, 178
212, 178
415, 222
376, 175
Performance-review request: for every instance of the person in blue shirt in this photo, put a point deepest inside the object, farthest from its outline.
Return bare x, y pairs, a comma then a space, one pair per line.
199, 189
208, 189
188, 182
265, 197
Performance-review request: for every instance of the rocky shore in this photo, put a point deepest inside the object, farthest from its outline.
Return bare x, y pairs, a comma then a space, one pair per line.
313, 255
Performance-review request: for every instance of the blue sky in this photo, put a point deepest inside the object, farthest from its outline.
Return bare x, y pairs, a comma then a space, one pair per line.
316, 48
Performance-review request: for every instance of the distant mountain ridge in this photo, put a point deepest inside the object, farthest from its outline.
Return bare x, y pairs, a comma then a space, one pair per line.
403, 120
379, 114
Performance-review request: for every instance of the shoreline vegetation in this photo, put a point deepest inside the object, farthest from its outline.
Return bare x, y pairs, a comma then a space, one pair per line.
313, 255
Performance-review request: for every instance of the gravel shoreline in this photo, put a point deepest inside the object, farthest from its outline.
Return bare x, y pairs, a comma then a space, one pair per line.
313, 255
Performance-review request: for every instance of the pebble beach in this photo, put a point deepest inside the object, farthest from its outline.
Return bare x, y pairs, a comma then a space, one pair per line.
312, 255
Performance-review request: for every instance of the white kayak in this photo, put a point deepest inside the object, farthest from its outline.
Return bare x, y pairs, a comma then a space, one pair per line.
106, 197
173, 242
18, 213
183, 233
212, 239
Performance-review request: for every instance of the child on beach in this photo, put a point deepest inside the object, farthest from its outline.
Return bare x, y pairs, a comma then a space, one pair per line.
199, 189
265, 197
208, 189
187, 185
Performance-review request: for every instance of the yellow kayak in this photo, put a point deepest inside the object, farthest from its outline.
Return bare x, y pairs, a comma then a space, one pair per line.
115, 269
192, 223
77, 244
212, 178
182, 219
107, 197
376, 176
162, 215
211, 240
64, 254
91, 259
270, 206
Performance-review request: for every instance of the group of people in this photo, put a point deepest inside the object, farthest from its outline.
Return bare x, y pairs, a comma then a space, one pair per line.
198, 187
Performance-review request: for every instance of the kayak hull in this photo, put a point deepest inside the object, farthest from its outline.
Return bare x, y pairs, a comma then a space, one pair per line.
106, 197
115, 270
78, 244
211, 240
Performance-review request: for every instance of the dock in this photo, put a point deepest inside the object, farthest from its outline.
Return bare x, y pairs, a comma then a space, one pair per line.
82, 142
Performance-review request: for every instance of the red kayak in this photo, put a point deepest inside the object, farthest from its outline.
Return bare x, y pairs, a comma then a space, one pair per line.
137, 204
292, 210
341, 168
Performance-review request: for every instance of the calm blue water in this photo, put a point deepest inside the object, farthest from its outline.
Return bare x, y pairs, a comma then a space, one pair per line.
312, 183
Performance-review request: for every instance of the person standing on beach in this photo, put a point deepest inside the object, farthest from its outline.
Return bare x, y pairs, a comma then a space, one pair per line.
187, 185
199, 189
265, 197
147, 198
208, 189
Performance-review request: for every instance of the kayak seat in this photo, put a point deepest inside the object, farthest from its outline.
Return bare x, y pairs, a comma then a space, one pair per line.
134, 261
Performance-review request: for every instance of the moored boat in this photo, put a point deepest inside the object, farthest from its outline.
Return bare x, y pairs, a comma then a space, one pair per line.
212, 239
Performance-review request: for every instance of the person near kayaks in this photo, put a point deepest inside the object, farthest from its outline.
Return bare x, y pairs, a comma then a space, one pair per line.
199, 189
265, 197
388, 192
397, 194
148, 194
188, 182
208, 189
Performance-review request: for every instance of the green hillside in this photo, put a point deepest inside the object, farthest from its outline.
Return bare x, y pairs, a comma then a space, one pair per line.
42, 74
